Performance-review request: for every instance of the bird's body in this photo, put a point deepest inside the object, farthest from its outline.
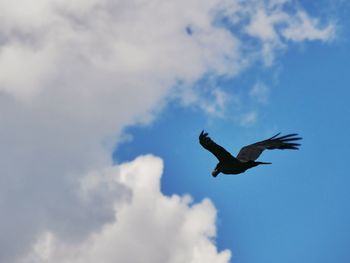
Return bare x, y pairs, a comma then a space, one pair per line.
247, 155
236, 166
232, 167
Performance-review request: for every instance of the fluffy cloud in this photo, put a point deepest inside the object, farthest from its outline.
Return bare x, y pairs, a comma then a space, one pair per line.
74, 74
147, 226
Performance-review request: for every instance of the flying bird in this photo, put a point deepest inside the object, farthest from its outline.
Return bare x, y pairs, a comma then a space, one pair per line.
248, 154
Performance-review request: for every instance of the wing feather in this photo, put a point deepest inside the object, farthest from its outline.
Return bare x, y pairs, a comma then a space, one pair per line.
252, 152
220, 152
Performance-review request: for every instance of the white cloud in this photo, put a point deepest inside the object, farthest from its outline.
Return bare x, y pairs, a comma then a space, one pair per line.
73, 75
147, 227
111, 40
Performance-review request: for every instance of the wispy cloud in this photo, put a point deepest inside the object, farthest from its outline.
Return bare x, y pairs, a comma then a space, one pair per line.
302, 27
272, 25
210, 99
248, 119
260, 92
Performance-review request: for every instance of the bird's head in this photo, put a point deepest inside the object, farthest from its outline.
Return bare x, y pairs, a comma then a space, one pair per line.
216, 171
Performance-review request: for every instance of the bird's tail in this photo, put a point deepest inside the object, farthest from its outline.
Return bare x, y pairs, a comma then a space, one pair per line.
262, 163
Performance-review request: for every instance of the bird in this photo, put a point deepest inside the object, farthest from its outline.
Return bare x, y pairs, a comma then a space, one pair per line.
247, 156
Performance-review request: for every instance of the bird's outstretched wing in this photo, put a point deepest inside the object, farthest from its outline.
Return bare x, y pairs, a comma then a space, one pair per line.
214, 148
252, 152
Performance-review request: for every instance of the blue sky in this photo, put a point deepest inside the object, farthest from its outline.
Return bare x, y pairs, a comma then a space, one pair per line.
101, 105
295, 210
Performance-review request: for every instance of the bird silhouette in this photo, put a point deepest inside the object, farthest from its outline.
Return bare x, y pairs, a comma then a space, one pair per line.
248, 154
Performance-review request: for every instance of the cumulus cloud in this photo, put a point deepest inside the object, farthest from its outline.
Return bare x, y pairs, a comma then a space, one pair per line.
147, 226
73, 75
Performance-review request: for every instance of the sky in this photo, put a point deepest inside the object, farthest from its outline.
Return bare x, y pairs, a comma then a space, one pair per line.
101, 105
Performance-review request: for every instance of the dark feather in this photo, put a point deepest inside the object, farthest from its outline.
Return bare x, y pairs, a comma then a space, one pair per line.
252, 152
221, 153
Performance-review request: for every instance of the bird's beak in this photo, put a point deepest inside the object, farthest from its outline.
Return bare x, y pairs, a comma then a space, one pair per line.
215, 172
